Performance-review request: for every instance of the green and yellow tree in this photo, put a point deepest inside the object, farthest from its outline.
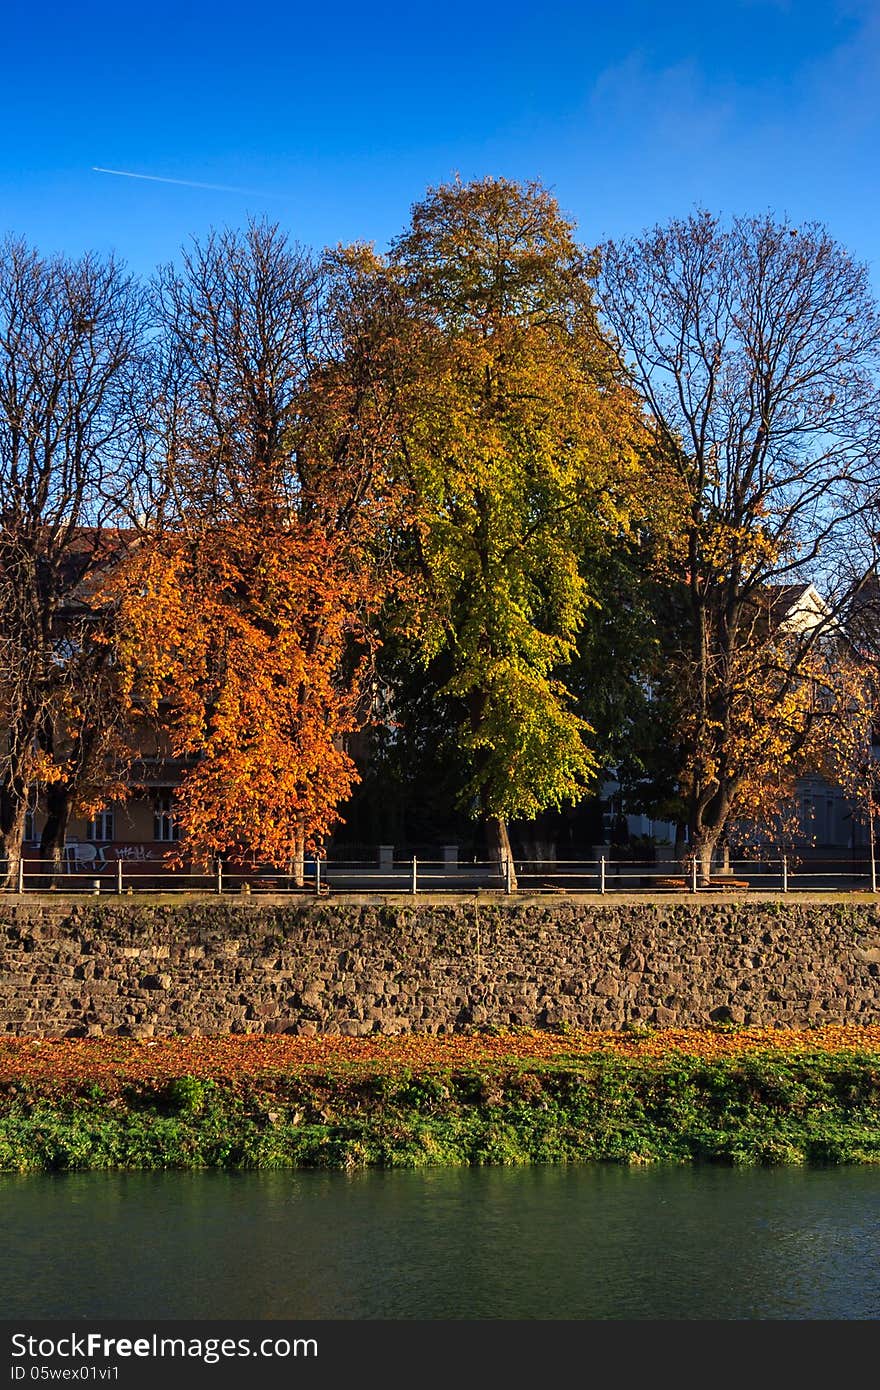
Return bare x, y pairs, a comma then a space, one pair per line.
521, 452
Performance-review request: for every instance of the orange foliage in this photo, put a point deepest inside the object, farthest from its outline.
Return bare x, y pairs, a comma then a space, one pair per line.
245, 606
115, 1062
239, 638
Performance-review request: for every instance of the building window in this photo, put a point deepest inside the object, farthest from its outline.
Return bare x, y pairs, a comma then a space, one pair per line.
100, 828
30, 816
165, 826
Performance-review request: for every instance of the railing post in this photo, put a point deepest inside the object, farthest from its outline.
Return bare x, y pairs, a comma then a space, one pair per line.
873, 874
414, 886
785, 873
219, 876
119, 876
508, 875
602, 873
317, 875
694, 874
21, 874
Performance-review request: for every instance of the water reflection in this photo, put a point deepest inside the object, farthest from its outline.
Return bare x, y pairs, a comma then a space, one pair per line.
578, 1242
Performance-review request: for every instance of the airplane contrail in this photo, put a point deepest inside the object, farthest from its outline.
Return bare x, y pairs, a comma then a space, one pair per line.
183, 183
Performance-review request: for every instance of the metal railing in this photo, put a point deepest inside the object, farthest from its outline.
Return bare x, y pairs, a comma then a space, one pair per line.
414, 875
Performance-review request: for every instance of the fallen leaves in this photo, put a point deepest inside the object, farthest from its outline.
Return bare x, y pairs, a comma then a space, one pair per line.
115, 1062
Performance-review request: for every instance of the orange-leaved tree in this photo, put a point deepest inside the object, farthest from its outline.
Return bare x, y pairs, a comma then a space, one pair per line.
788, 699
247, 599
237, 634
848, 748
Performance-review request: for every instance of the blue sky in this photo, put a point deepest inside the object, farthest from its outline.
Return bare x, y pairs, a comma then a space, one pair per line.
335, 118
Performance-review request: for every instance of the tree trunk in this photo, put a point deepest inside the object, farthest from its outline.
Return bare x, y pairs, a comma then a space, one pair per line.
13, 810
498, 849
299, 858
704, 849
55, 829
11, 851
500, 853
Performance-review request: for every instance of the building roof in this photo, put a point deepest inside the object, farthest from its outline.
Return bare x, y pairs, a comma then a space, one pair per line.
796, 607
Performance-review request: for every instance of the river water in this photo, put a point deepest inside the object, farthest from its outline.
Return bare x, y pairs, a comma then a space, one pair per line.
585, 1242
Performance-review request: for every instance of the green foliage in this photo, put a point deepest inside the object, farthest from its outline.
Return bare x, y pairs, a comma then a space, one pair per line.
414, 769
615, 675
186, 1095
519, 456
756, 1109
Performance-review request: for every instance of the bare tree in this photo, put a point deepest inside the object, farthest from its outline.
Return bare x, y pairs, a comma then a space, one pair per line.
755, 347
237, 319
277, 399
71, 382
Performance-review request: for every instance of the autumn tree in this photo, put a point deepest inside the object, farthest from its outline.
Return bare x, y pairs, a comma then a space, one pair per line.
755, 348
773, 753
72, 376
246, 607
849, 740
520, 449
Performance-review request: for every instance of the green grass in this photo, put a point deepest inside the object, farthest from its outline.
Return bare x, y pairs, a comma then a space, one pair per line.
750, 1110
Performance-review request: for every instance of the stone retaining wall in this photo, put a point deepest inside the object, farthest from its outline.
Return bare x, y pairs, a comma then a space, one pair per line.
220, 967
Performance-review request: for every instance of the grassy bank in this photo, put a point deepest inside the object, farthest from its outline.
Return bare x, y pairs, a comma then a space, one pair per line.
779, 1096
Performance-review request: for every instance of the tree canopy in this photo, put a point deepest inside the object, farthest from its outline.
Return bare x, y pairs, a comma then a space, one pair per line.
536, 513
755, 348
521, 451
